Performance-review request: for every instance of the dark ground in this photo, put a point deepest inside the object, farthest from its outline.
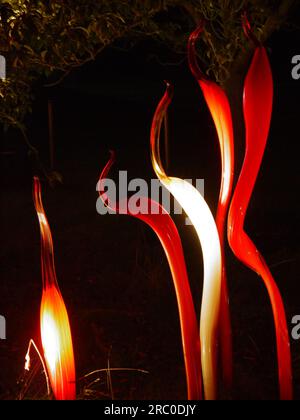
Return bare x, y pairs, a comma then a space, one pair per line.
111, 269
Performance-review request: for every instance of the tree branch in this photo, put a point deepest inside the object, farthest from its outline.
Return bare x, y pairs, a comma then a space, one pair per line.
275, 21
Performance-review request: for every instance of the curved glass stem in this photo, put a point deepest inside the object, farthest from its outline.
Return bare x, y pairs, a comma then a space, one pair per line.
219, 107
162, 224
54, 320
249, 30
199, 213
258, 102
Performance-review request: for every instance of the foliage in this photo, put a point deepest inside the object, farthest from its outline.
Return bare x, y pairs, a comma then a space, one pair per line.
43, 40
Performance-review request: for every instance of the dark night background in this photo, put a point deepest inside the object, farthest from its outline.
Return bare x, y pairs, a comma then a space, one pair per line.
111, 269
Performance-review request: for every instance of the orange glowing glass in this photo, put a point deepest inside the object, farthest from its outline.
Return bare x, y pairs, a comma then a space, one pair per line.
219, 107
54, 321
162, 224
258, 103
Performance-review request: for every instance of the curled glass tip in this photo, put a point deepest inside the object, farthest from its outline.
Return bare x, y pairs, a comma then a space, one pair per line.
192, 54
248, 30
